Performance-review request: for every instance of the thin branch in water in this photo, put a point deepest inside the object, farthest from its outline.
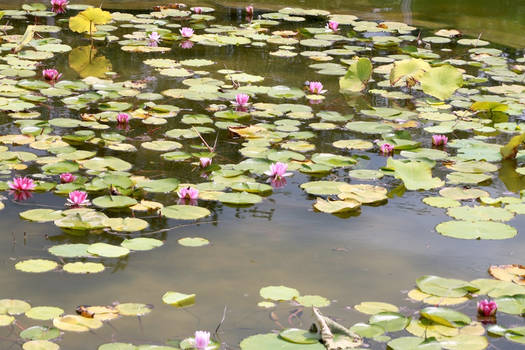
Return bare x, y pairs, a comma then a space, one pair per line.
203, 140
222, 321
162, 230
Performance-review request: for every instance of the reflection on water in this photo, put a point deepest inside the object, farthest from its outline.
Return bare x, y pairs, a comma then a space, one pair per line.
498, 21
371, 256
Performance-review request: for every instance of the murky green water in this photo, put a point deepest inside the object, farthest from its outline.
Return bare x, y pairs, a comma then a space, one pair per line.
373, 256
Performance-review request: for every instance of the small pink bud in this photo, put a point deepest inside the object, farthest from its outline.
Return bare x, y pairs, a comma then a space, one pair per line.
67, 178
386, 148
487, 307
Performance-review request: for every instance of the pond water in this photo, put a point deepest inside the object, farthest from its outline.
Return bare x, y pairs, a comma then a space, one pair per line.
373, 254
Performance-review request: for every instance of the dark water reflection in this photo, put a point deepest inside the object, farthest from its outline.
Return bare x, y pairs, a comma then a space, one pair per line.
498, 21
373, 256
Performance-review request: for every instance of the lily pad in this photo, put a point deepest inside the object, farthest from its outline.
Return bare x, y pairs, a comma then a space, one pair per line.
279, 293
476, 230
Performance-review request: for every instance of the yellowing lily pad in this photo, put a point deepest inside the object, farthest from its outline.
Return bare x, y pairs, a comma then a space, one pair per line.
36, 265
83, 267
193, 242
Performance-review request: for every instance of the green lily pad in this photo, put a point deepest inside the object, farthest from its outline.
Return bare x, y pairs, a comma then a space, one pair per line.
126, 224
41, 215
14, 306
114, 202
445, 287
279, 293
141, 243
159, 186
390, 321
178, 299
184, 212
445, 316
478, 213
39, 333
107, 250
312, 300
273, 341
239, 198
374, 307
413, 343
476, 230
322, 187
299, 336
133, 309
193, 242
44, 313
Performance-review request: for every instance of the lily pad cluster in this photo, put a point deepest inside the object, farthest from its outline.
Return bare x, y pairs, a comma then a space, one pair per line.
384, 88
444, 317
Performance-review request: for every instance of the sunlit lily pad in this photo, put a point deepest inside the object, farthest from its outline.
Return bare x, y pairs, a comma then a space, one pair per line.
239, 198
83, 267
133, 309
480, 213
476, 230
279, 293
40, 345
390, 321
299, 336
193, 242
178, 299
273, 341
14, 306
39, 333
375, 307
312, 300
41, 215
44, 312
185, 212
74, 323
126, 224
141, 243
107, 250
114, 201
36, 265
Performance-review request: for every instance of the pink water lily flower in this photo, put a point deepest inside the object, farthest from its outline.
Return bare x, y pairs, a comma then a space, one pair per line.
51, 75
154, 39
186, 32
278, 171
332, 25
202, 340
487, 307
386, 148
242, 100
122, 118
316, 87
188, 193
186, 44
197, 10
21, 184
439, 140
59, 6
204, 162
249, 10
67, 178
77, 198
